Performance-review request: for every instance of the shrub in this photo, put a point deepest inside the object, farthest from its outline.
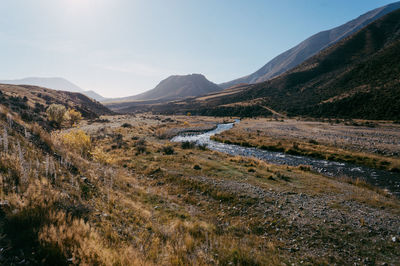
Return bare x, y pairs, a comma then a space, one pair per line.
202, 147
305, 167
56, 113
196, 167
102, 157
126, 125
78, 141
187, 145
73, 116
168, 150
141, 146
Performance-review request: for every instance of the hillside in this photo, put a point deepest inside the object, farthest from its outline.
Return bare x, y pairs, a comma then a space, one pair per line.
177, 87
54, 84
311, 46
356, 78
31, 101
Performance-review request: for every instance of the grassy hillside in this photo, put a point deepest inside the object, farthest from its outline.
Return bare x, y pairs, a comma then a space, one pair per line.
31, 102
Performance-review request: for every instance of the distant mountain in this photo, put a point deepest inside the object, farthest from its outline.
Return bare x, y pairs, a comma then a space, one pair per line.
356, 78
56, 83
178, 87
94, 95
311, 46
50, 83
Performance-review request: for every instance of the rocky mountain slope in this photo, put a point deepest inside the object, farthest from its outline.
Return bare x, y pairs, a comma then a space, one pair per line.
311, 46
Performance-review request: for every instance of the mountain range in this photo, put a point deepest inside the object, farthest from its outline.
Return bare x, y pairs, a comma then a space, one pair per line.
358, 77
310, 47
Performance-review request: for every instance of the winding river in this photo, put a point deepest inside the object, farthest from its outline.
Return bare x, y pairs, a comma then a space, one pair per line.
383, 179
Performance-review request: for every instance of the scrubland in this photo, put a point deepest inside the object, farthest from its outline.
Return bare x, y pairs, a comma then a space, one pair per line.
117, 192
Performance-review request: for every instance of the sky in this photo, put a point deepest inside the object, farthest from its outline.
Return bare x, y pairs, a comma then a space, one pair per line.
124, 47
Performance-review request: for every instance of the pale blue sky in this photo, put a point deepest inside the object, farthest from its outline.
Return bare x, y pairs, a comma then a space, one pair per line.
124, 47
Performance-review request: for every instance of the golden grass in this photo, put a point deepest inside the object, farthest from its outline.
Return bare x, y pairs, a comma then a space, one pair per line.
116, 206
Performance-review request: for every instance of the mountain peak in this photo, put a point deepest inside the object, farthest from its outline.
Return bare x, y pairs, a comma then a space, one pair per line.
179, 86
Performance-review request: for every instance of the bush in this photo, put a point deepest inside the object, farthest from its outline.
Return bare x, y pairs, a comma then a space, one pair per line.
196, 167
78, 141
102, 157
187, 145
141, 146
202, 147
126, 125
73, 116
168, 150
56, 113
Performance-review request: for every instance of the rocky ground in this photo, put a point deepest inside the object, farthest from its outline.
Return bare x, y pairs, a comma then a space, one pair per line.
379, 138
298, 215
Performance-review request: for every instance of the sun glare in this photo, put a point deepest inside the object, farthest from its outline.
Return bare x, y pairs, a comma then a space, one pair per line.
79, 5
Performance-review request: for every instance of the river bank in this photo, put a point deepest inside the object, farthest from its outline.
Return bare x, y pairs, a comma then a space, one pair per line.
375, 147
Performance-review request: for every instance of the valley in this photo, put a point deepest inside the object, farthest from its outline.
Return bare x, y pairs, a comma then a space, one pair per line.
297, 163
115, 190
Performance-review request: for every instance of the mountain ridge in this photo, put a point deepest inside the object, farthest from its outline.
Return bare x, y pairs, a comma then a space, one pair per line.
311, 46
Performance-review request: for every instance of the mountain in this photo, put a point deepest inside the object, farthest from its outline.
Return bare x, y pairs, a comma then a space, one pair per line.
55, 84
51, 83
178, 87
94, 95
311, 46
356, 78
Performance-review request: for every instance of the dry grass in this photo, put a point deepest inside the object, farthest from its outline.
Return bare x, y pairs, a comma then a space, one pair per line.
118, 206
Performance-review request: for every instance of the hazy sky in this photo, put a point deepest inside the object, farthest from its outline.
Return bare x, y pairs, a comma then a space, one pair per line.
124, 47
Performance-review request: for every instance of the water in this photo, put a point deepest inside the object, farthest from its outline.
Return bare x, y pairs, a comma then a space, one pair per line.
383, 179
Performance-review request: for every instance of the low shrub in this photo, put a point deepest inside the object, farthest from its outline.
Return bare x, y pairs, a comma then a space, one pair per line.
78, 141
141, 146
202, 147
187, 145
168, 150
126, 125
196, 167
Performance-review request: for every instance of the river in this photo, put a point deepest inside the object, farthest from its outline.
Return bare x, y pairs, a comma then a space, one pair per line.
380, 178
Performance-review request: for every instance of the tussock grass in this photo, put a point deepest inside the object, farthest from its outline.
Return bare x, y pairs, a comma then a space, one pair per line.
118, 206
